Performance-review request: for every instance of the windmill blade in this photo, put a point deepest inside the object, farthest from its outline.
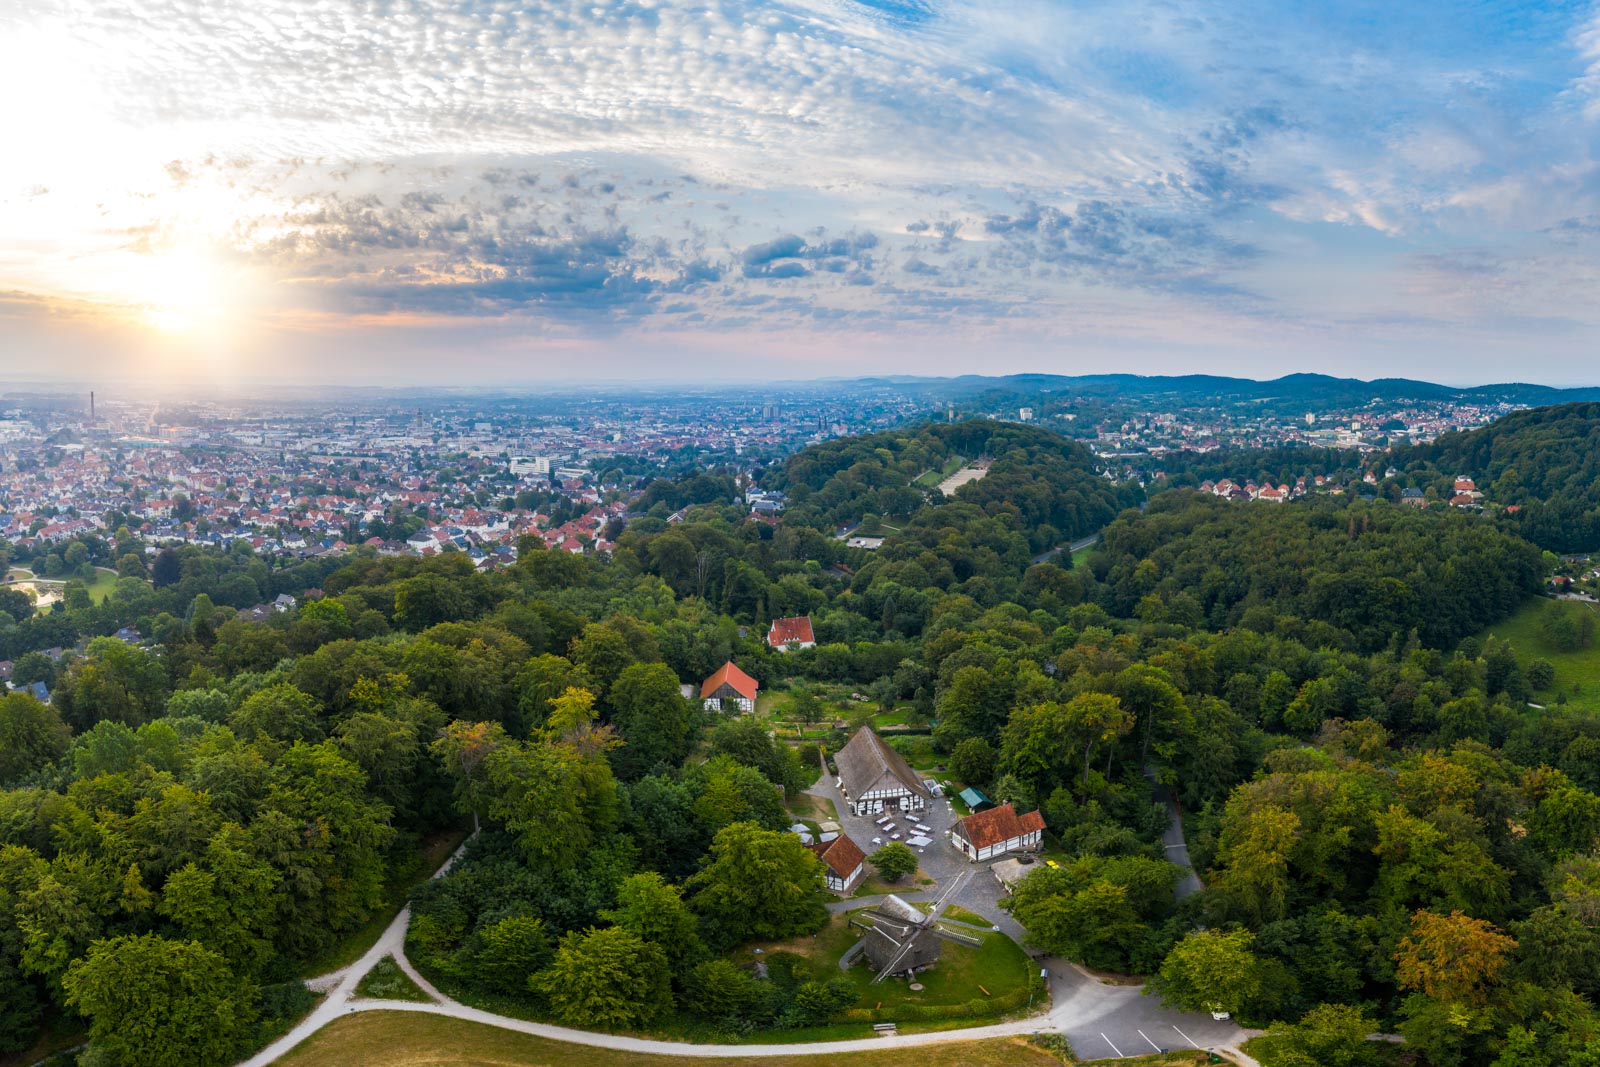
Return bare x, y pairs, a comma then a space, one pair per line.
930, 923
889, 968
949, 895
960, 937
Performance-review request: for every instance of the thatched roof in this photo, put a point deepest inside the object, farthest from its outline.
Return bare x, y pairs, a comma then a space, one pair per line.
866, 761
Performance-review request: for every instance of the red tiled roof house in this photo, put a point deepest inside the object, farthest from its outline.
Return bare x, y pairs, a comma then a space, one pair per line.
790, 633
843, 862
995, 832
729, 688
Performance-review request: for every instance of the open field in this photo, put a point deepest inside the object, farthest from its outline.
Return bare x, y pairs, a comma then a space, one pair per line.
104, 584
930, 478
401, 1039
48, 591
1577, 673
960, 478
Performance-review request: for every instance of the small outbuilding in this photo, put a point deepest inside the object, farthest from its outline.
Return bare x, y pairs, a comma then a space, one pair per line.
843, 861
975, 799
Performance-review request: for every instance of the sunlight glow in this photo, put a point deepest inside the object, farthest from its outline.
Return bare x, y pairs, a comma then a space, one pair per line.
179, 291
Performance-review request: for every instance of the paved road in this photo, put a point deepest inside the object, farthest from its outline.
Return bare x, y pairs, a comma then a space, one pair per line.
1173, 841
1100, 1020
340, 986
1082, 542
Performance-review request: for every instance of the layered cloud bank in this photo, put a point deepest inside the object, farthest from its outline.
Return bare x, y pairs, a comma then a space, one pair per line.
571, 188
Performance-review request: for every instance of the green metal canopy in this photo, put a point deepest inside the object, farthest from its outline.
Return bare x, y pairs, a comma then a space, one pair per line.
975, 800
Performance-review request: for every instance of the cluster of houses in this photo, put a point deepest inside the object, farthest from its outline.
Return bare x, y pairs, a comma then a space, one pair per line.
874, 779
284, 505
1228, 489
1464, 493
764, 503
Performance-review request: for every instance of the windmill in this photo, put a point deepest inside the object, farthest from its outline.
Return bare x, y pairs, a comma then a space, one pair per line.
901, 938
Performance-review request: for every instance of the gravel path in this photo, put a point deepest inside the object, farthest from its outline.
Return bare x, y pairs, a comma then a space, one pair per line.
1099, 1019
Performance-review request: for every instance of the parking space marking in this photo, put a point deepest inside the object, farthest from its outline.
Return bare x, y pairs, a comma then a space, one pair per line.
1186, 1037
1153, 1045
1114, 1048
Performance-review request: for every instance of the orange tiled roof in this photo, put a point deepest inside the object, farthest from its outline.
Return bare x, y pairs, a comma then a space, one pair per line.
998, 825
728, 674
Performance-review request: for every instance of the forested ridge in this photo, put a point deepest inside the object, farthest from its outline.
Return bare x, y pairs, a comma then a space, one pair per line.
200, 818
1373, 571
1545, 462
1044, 481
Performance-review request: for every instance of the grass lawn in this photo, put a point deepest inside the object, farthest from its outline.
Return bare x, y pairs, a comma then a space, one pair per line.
386, 981
929, 479
351, 946
898, 717
104, 584
1082, 554
873, 885
402, 1039
1577, 673
1000, 966
962, 915
808, 808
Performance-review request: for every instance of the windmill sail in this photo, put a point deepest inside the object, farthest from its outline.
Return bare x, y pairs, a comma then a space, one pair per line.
907, 926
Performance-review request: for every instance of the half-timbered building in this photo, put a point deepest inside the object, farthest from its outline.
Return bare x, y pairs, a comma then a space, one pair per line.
997, 831
729, 688
843, 862
875, 778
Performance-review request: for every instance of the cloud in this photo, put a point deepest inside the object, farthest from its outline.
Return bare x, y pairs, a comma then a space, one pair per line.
854, 167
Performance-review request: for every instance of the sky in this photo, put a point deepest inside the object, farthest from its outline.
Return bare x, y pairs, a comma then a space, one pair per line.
504, 192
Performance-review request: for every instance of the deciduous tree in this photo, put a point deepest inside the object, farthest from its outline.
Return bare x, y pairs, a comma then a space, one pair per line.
160, 1003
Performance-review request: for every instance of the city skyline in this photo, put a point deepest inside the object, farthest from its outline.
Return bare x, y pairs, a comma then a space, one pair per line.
482, 194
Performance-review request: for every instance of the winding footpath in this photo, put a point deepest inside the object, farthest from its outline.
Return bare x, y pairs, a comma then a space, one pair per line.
1098, 1018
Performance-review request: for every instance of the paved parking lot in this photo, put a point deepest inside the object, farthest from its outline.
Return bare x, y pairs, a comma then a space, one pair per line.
1101, 1021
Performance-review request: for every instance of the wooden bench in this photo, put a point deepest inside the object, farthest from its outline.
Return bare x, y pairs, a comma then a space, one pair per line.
885, 1028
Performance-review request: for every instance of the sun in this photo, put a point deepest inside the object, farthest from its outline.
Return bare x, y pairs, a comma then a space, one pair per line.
169, 320
179, 291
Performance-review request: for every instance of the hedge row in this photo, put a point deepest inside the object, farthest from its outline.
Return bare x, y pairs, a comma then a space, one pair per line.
977, 1007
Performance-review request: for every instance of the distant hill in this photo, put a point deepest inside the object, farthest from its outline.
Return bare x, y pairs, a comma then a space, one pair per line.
1544, 462
1311, 390
1045, 481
